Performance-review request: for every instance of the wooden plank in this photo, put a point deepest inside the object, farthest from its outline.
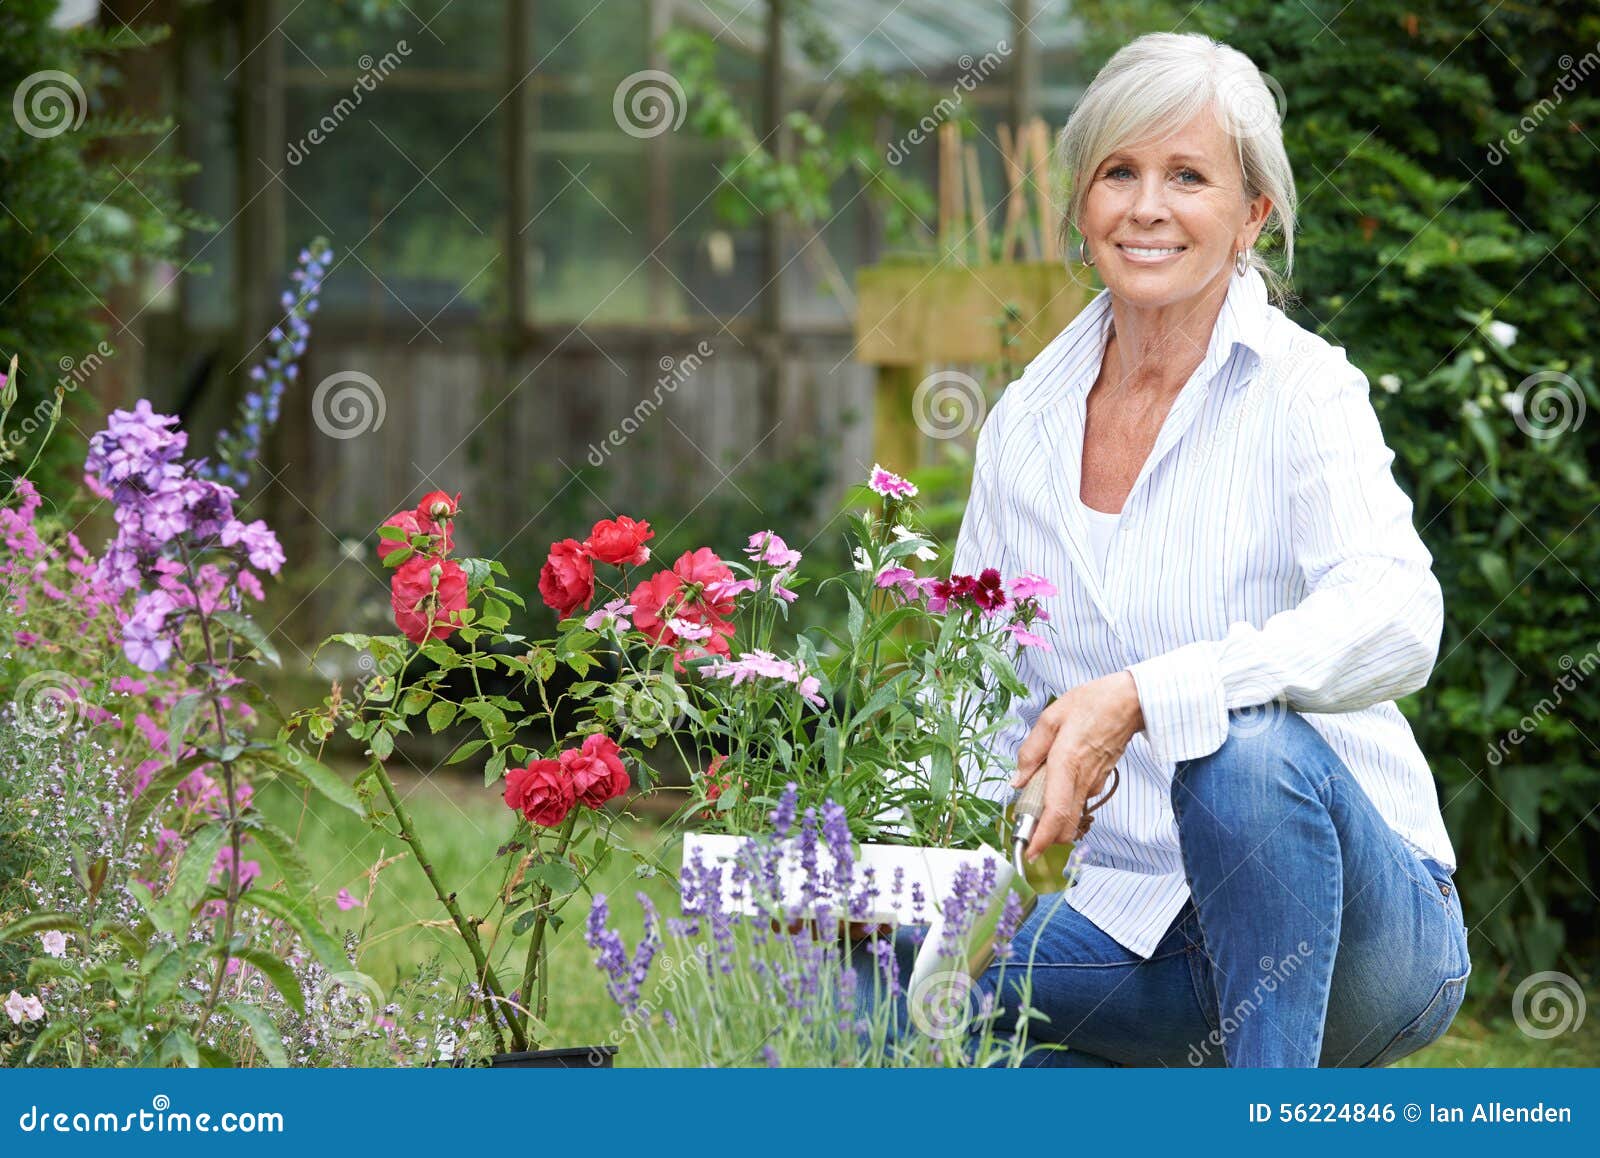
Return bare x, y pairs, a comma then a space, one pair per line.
915, 315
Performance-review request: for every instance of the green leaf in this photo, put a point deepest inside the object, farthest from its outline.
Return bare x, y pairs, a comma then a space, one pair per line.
35, 923
195, 868
261, 1027
298, 915
310, 771
441, 715
494, 767
557, 876
251, 632
161, 786
178, 721
857, 617
277, 971
465, 750
296, 873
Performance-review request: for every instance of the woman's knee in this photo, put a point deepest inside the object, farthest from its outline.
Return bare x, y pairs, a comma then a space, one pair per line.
1269, 764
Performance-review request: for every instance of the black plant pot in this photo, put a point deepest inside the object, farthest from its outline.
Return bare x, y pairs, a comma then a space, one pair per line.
581, 1057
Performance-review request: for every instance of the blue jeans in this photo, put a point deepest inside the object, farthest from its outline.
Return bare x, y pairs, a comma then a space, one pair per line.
1313, 935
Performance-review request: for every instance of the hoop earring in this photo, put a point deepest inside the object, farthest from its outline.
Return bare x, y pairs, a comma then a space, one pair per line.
1088, 259
1241, 262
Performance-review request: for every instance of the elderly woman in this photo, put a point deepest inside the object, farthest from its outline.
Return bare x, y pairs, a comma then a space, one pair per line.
1242, 597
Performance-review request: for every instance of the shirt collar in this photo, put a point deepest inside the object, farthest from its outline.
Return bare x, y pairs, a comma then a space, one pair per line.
1242, 321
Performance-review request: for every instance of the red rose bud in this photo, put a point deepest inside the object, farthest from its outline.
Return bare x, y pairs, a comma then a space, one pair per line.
619, 540
566, 581
542, 792
439, 506
596, 770
413, 523
422, 609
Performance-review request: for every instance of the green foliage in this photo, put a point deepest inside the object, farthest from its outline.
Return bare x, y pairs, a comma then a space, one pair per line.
84, 207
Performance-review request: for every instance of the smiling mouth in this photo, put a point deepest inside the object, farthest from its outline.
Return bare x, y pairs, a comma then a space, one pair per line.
1151, 251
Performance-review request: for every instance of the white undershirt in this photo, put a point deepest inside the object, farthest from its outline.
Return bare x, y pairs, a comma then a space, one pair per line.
1102, 527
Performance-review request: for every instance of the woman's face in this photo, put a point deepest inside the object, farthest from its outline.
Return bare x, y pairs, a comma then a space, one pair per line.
1182, 193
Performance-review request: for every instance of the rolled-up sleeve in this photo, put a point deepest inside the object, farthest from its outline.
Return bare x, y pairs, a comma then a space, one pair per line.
1368, 629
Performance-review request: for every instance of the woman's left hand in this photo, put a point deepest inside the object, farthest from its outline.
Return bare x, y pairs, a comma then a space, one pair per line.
1075, 743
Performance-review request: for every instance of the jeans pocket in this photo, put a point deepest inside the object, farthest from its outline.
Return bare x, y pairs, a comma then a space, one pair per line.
1430, 1024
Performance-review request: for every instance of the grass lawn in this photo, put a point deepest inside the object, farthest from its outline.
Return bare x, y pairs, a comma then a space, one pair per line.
462, 826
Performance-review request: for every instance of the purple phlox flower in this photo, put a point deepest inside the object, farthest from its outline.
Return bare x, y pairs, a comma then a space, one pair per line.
258, 541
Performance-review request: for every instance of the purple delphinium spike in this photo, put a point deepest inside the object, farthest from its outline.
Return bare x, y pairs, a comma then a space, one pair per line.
238, 450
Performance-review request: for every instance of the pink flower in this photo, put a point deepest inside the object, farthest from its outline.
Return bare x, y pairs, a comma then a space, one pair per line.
890, 485
689, 629
764, 664
1031, 586
1026, 638
903, 578
779, 591
614, 613
345, 901
722, 589
248, 870
767, 547
54, 943
23, 1009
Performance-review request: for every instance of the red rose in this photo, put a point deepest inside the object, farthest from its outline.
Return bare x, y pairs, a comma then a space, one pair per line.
436, 506
542, 792
619, 540
566, 581
662, 597
414, 524
596, 770
419, 610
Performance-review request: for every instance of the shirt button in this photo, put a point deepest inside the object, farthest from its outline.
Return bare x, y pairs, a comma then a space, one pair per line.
1445, 889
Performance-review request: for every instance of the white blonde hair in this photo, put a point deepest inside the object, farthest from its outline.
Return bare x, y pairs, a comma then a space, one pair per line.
1159, 83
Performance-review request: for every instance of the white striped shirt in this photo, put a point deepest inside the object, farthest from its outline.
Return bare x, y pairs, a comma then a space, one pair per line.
1264, 553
